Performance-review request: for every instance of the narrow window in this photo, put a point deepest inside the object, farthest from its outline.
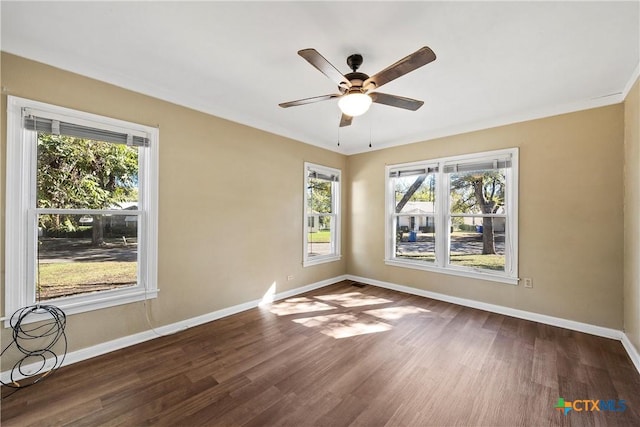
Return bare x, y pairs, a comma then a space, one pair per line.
322, 213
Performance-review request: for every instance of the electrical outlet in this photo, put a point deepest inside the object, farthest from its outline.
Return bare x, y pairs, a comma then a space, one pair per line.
290, 277
528, 282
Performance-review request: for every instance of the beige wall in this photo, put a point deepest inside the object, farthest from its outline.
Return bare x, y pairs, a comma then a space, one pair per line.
571, 232
230, 210
632, 215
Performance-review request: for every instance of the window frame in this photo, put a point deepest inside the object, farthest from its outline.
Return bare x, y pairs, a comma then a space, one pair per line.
335, 254
443, 215
21, 213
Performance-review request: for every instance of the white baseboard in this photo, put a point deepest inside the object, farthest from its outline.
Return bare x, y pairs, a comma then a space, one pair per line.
117, 344
507, 311
632, 351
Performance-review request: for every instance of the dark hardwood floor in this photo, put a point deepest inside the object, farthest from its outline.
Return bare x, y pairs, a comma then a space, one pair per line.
344, 355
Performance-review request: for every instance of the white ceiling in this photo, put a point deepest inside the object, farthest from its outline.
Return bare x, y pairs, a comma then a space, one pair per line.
497, 62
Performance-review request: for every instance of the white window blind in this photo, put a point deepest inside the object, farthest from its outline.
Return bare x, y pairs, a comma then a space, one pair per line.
488, 164
412, 172
323, 175
30, 121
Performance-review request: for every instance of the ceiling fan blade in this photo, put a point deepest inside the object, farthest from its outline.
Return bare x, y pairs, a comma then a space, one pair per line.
325, 67
396, 101
308, 100
345, 120
417, 59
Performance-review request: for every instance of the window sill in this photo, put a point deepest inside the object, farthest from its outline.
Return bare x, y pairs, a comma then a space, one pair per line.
321, 260
83, 304
454, 272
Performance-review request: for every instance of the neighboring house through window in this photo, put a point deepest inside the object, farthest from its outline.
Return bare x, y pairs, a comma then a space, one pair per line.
455, 215
322, 213
81, 209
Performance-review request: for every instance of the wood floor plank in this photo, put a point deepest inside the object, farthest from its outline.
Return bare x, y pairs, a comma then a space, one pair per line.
544, 367
309, 410
339, 356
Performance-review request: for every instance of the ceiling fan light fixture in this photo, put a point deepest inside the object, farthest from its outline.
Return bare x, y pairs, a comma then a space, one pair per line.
354, 104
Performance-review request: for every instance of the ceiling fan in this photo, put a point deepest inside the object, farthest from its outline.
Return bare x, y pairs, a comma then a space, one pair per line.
358, 90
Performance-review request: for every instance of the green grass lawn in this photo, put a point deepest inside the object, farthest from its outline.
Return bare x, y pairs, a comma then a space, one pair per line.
489, 262
322, 236
71, 278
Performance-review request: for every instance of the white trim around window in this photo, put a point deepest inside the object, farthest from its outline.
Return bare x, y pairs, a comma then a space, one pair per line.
439, 215
321, 214
21, 230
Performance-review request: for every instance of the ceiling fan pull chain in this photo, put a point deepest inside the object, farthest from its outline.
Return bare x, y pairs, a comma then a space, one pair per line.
370, 125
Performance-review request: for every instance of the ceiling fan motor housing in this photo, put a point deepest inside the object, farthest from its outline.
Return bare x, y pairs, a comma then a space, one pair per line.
357, 80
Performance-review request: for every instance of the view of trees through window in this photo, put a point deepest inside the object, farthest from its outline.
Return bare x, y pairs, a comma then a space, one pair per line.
476, 218
415, 208
80, 250
320, 216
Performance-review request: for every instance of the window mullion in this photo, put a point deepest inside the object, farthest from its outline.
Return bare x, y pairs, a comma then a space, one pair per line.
511, 234
126, 212
335, 208
478, 215
32, 256
334, 233
442, 219
305, 209
31, 154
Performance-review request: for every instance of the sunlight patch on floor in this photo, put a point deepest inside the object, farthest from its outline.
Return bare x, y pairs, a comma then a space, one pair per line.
343, 325
353, 299
395, 313
298, 305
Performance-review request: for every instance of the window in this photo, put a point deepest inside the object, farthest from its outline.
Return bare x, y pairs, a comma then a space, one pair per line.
455, 215
322, 213
81, 209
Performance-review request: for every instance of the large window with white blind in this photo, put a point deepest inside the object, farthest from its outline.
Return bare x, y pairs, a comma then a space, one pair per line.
321, 214
81, 209
456, 215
